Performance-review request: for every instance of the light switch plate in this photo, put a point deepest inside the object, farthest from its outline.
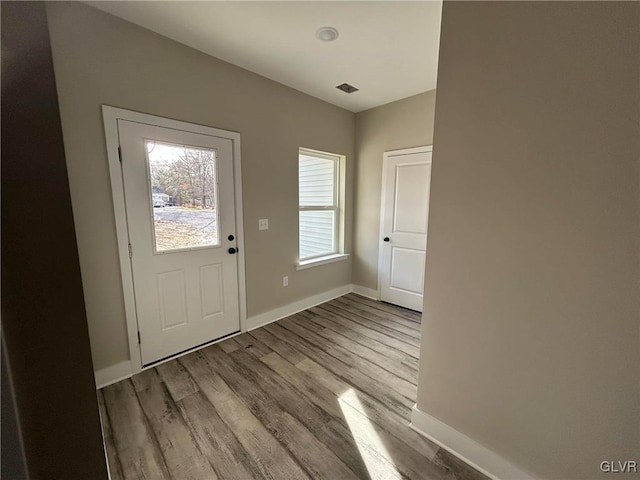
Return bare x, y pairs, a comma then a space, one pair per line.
263, 224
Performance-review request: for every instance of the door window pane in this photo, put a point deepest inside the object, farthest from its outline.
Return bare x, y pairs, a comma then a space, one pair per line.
184, 196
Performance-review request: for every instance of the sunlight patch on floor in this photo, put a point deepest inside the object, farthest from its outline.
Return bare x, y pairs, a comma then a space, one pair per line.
372, 450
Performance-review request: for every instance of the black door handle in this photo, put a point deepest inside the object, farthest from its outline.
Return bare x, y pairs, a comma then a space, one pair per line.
232, 250
230, 238
386, 239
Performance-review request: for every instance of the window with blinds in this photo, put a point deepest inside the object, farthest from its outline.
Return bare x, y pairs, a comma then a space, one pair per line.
318, 203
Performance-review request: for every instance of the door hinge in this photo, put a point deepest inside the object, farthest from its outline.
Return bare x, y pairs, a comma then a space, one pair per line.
120, 153
139, 342
130, 251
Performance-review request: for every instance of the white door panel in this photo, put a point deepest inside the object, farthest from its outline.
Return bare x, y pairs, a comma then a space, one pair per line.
179, 195
407, 270
406, 179
172, 299
211, 290
410, 202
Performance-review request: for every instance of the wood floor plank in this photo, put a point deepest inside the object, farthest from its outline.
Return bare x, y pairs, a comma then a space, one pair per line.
256, 347
459, 469
302, 382
376, 319
319, 335
395, 392
305, 344
229, 345
135, 444
402, 342
182, 456
145, 379
335, 436
240, 381
407, 461
257, 389
333, 321
273, 460
373, 371
216, 440
299, 421
104, 418
381, 310
316, 457
412, 363
179, 383
369, 439
379, 317
384, 322
366, 463
282, 348
394, 401
394, 310
115, 470
414, 446
323, 324
305, 314
261, 377
305, 328
377, 412
294, 425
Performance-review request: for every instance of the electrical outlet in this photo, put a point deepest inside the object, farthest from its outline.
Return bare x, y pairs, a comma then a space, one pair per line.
285, 281
263, 224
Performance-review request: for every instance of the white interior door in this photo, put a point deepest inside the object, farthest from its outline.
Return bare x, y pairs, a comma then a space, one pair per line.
406, 178
179, 196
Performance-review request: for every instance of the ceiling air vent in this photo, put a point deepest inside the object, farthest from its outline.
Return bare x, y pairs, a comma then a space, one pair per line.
346, 88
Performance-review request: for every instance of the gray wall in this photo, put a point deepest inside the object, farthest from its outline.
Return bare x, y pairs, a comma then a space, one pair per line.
531, 310
402, 124
100, 59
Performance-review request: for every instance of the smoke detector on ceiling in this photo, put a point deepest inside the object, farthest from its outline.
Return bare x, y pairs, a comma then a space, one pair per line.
327, 34
346, 88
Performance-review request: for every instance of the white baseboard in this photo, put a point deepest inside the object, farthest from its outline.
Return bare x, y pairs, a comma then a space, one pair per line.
365, 292
468, 450
265, 318
113, 374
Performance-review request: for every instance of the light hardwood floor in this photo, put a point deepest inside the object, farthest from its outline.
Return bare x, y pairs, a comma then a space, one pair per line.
325, 393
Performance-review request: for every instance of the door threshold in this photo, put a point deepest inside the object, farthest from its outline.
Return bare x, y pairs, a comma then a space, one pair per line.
192, 349
400, 306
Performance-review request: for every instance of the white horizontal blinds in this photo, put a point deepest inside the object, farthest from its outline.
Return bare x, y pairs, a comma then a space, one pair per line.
317, 181
316, 233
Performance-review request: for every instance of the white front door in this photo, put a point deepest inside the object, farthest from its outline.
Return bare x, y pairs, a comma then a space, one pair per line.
179, 196
406, 177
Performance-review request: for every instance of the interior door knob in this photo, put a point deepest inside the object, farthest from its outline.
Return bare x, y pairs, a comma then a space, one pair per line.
232, 250
386, 239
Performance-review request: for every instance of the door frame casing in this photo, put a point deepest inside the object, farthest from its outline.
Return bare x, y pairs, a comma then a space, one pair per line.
110, 116
386, 156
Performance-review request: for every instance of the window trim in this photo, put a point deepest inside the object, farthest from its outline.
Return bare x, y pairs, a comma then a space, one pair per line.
314, 262
337, 252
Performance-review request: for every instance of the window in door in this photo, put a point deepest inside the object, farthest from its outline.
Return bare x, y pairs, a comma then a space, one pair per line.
184, 199
319, 194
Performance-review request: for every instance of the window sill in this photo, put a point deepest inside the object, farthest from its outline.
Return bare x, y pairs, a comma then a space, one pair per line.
314, 262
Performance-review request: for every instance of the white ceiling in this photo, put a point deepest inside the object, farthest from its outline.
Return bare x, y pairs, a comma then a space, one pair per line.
387, 49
